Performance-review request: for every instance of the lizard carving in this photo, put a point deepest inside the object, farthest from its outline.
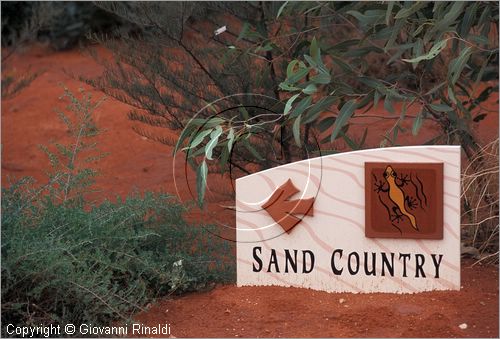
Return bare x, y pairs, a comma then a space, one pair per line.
397, 195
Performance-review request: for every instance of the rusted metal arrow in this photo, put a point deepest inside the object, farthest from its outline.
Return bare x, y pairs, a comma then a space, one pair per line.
282, 209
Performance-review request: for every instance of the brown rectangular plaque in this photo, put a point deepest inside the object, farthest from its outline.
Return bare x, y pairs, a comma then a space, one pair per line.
404, 200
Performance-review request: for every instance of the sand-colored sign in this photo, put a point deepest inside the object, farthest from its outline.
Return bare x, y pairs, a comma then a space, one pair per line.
382, 220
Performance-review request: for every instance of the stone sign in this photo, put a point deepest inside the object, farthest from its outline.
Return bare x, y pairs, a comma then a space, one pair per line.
381, 220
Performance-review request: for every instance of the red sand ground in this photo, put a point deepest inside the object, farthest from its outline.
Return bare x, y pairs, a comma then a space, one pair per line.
136, 163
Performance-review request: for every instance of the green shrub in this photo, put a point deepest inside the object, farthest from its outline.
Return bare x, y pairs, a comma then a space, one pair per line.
65, 260
64, 264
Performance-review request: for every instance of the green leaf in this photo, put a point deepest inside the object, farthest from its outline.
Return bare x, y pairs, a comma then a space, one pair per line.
406, 12
389, 107
280, 10
453, 12
343, 65
433, 52
451, 95
291, 67
288, 105
301, 73
363, 138
468, 20
363, 51
252, 150
349, 141
435, 88
264, 48
224, 158
326, 123
286, 87
457, 65
214, 139
301, 107
296, 131
321, 79
320, 106
441, 107
310, 61
184, 134
244, 31
310, 89
314, 50
230, 138
201, 182
371, 82
417, 123
398, 26
344, 115
198, 139
369, 17
388, 14
244, 113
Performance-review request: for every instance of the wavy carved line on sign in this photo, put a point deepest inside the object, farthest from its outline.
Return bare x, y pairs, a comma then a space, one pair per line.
398, 280
341, 161
450, 229
361, 260
428, 251
320, 269
328, 248
454, 209
405, 152
381, 246
427, 157
315, 180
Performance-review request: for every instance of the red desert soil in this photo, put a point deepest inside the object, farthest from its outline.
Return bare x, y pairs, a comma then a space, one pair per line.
136, 163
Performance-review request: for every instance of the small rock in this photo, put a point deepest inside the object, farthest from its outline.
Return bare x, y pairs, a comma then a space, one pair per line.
463, 326
341, 300
482, 303
227, 311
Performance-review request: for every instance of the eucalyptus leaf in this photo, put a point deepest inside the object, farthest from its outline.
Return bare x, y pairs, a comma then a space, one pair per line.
344, 115
230, 138
214, 139
417, 123
291, 67
314, 49
321, 79
326, 123
198, 139
457, 65
310, 89
441, 107
296, 131
320, 106
406, 12
201, 182
301, 107
289, 103
433, 52
280, 10
301, 73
